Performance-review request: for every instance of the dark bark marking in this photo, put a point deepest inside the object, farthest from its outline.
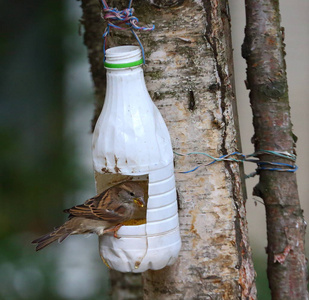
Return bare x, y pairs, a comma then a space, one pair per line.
192, 104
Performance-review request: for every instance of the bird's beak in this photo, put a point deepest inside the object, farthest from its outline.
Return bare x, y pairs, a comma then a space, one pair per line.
139, 201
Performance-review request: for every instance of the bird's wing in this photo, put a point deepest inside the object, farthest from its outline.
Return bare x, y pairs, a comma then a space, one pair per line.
99, 208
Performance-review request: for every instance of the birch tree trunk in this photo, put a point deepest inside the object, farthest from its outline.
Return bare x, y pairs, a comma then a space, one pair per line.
263, 50
189, 75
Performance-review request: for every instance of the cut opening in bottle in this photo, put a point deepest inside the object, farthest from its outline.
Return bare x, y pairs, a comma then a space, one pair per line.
105, 181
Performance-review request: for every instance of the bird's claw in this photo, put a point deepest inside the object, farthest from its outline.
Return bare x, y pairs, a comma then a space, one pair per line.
115, 230
116, 235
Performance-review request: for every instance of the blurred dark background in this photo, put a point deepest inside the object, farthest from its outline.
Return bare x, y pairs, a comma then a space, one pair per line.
46, 98
46, 103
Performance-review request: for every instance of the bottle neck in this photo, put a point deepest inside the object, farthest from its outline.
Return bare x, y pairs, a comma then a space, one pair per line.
127, 86
123, 70
123, 65
125, 78
123, 57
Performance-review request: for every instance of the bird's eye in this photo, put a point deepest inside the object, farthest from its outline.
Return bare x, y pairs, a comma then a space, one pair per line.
132, 194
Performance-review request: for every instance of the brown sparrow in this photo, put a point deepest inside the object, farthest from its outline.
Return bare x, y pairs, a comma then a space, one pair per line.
100, 214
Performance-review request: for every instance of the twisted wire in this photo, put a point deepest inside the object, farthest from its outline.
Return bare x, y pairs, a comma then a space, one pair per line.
122, 20
261, 165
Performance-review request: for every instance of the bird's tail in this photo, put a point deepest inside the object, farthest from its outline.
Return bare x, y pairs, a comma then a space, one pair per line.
60, 234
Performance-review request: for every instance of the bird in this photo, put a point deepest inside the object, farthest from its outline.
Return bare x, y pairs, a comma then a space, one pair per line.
100, 214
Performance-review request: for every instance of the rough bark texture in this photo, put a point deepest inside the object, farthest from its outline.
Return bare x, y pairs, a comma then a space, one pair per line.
190, 77
263, 49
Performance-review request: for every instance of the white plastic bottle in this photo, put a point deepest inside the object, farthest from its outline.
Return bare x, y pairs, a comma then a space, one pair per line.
131, 141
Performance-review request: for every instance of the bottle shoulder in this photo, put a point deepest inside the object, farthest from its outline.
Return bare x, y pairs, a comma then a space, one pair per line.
130, 132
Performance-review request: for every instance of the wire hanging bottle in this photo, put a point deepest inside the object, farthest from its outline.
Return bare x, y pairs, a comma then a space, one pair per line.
131, 142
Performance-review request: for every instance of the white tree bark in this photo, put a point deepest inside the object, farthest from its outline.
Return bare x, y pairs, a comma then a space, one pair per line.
189, 75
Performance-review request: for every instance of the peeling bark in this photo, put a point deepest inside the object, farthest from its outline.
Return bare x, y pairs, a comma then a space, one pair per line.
189, 75
263, 49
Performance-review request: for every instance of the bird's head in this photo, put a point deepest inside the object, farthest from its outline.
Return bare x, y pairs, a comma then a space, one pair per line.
132, 192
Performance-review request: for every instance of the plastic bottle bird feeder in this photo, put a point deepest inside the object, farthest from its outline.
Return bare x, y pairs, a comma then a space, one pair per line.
131, 142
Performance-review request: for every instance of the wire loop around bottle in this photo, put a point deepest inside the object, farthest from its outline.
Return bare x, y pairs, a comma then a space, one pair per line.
117, 19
